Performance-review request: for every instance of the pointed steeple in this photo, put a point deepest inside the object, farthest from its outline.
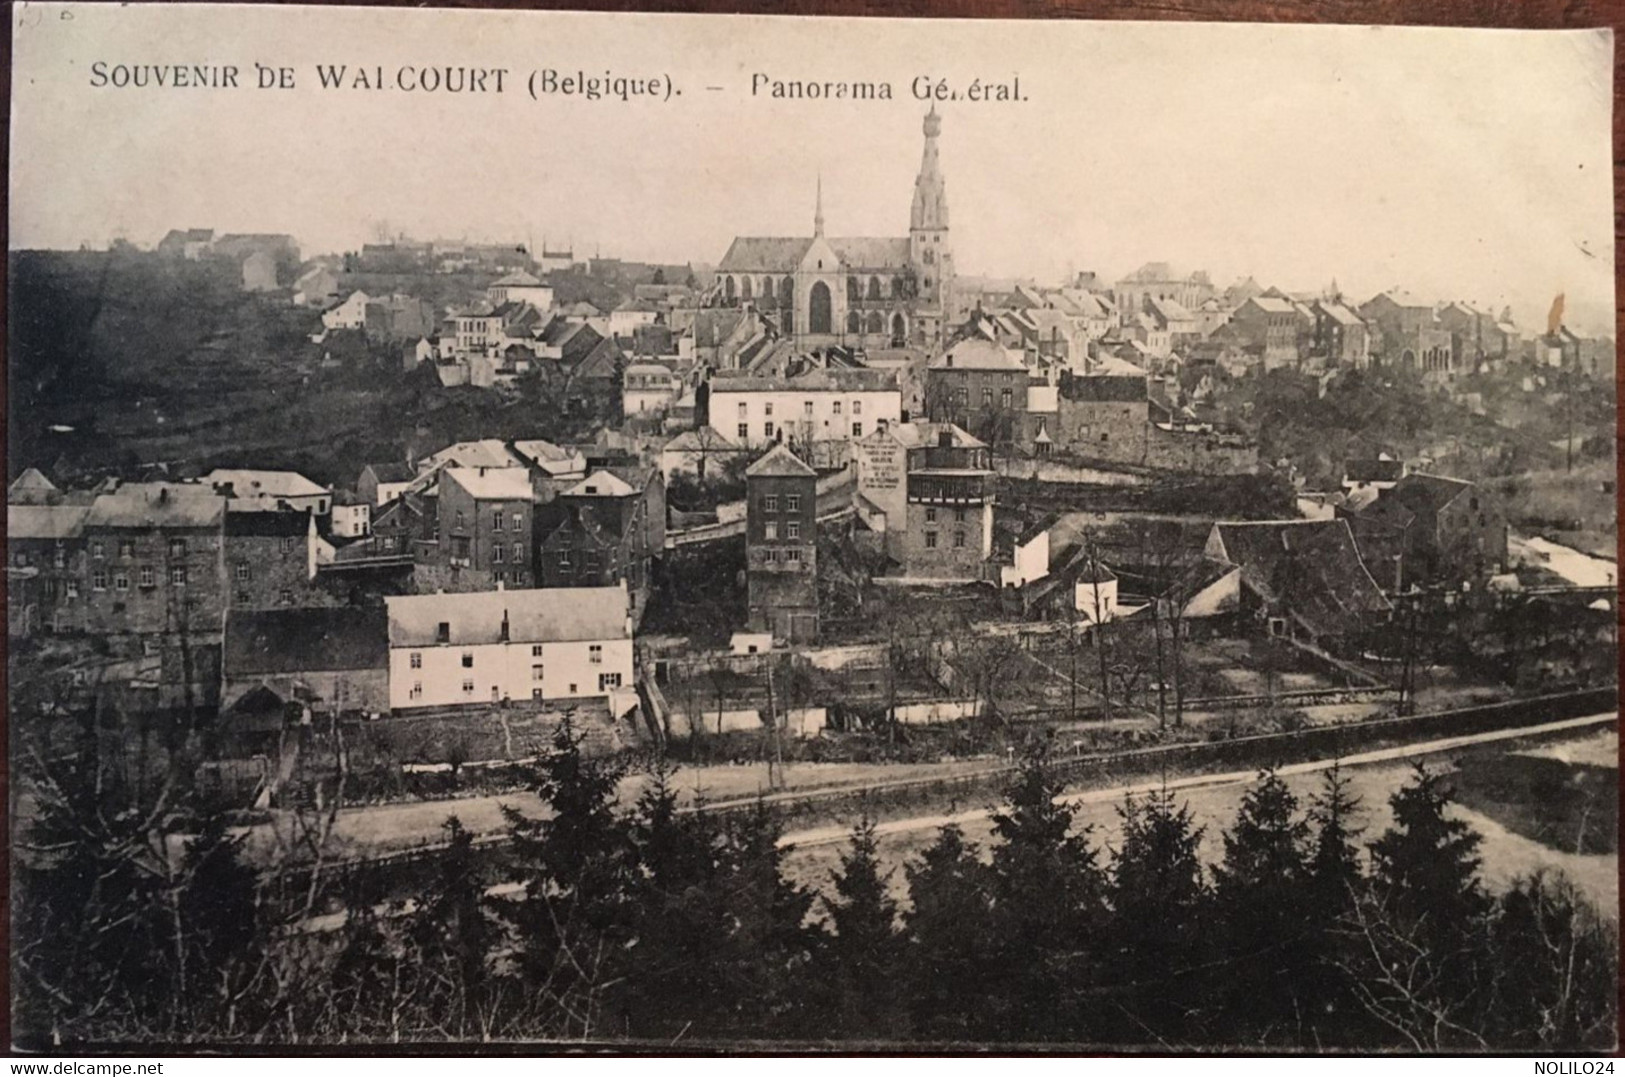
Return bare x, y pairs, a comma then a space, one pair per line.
818, 211
930, 192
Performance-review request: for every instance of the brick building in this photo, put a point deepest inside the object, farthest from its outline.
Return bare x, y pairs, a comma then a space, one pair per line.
485, 527
154, 560
980, 387
270, 560
781, 549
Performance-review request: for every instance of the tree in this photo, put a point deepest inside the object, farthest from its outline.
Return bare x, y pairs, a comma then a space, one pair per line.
1159, 901
1047, 910
863, 956
571, 929
947, 936
1420, 936
1258, 891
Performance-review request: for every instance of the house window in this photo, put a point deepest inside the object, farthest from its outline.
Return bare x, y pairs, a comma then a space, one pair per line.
518, 552
573, 690
987, 398
536, 672
837, 407
468, 686
417, 690
792, 557
767, 430
930, 515
767, 409
807, 409
97, 550
930, 540
857, 407
287, 544
1004, 398
770, 530
468, 659
959, 540
499, 554
244, 573
177, 547
286, 598
770, 503
857, 430
564, 560
518, 521
607, 681
742, 412
73, 588
126, 547
536, 650
459, 518
121, 582
770, 557
148, 577
536, 693
792, 502
792, 530
442, 632
744, 431
416, 660
595, 653
496, 521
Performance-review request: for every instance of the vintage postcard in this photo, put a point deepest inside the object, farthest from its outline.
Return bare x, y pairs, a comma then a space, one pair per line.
722, 533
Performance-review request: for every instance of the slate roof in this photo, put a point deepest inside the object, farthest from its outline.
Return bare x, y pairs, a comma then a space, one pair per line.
246, 482
1312, 568
1104, 388
922, 434
871, 252
976, 354
518, 278
32, 481
543, 615
263, 642
487, 453
492, 484
45, 521
840, 380
757, 254
1419, 490
267, 524
779, 462
157, 505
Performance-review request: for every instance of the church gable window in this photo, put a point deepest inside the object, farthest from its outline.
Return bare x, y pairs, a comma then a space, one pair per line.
874, 288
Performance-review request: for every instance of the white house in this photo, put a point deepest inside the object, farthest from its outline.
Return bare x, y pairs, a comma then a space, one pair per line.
1094, 593
352, 516
648, 387
1029, 557
256, 491
350, 314
630, 316
820, 405
556, 643
520, 287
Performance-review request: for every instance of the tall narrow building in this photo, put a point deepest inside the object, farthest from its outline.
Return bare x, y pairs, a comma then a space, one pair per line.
859, 292
781, 546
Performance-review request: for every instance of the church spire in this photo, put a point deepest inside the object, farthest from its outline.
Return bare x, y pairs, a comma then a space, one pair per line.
930, 209
818, 210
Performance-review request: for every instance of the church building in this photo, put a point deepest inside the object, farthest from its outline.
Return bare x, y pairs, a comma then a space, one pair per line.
854, 292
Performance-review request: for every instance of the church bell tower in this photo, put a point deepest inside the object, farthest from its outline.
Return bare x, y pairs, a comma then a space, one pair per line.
930, 252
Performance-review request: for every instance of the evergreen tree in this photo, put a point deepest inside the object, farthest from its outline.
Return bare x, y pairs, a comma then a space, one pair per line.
1159, 901
1047, 908
1336, 882
572, 928
1259, 891
862, 960
450, 937
1556, 971
1422, 933
947, 939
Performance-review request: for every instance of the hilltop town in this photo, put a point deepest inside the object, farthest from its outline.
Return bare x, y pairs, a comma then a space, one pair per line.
352, 536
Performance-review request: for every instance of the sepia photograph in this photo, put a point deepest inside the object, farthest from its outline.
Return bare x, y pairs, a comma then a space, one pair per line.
731, 534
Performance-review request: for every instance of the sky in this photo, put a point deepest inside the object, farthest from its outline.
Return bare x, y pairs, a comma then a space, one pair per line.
1458, 164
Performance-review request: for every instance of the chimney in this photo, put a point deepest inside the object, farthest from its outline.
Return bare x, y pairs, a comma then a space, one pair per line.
945, 439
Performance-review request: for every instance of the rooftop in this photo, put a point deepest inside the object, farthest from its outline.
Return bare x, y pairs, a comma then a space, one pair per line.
249, 483
305, 640
492, 483
545, 615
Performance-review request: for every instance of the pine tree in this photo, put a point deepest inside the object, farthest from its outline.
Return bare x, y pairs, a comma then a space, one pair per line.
1421, 935
572, 927
1159, 902
1259, 890
1048, 904
947, 938
451, 937
1336, 883
861, 962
